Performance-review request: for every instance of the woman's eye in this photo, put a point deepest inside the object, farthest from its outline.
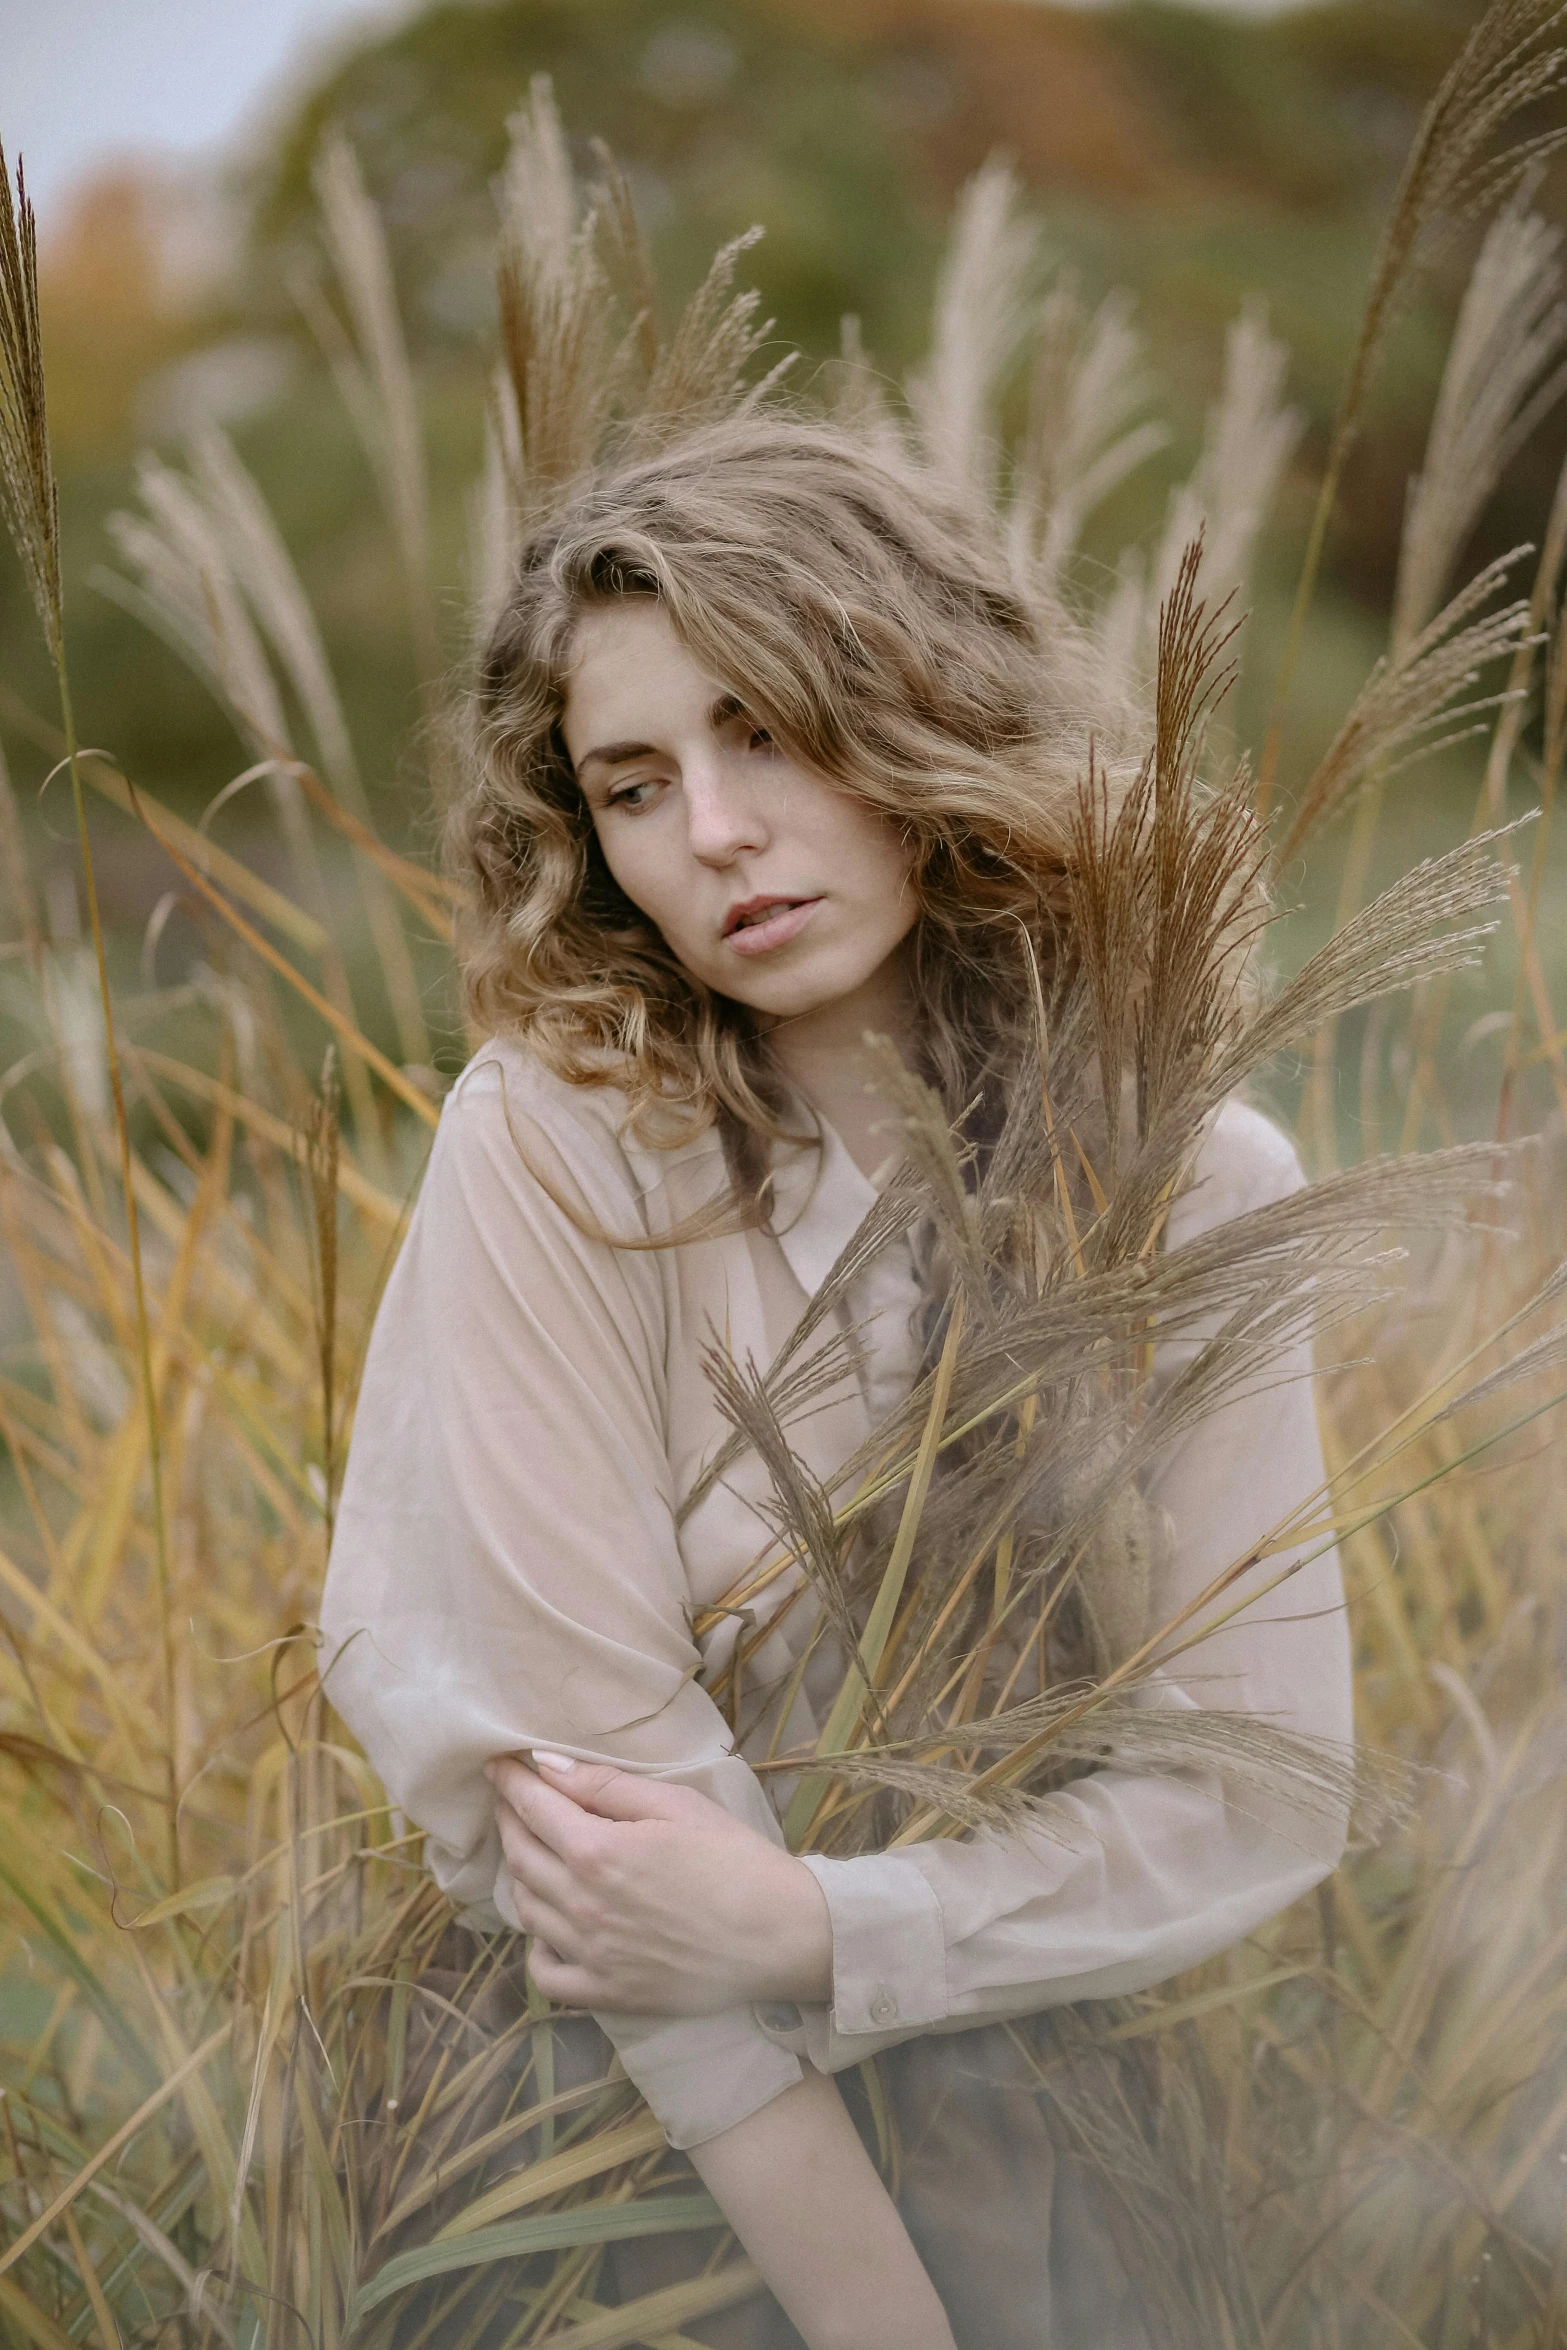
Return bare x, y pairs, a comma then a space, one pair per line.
758, 739
634, 795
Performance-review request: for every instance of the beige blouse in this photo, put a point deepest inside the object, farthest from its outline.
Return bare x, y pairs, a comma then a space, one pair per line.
508, 1572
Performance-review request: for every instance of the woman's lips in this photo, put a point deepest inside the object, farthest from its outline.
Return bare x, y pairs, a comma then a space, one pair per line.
759, 937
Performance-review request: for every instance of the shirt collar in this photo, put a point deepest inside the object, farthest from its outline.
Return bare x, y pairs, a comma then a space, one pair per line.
820, 1199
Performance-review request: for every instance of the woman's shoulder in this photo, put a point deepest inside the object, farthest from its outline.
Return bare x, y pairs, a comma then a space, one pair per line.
507, 1075
515, 1118
512, 1123
1245, 1162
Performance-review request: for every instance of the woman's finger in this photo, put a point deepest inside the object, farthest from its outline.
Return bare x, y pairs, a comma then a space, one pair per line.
564, 1826
558, 1980
610, 1793
530, 1859
537, 1914
542, 1924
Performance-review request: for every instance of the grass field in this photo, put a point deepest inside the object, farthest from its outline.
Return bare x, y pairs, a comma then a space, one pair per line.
232, 2111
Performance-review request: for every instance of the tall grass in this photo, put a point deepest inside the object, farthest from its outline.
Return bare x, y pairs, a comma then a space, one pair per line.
256, 2089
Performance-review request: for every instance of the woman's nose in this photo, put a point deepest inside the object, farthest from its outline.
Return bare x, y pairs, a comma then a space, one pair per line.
724, 816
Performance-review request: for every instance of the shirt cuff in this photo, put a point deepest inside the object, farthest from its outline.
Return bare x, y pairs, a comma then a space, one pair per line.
889, 1960
703, 2073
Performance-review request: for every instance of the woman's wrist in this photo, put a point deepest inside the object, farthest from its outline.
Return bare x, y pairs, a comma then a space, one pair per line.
795, 1941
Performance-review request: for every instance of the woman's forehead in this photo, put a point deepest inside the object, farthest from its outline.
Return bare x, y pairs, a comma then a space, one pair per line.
626, 656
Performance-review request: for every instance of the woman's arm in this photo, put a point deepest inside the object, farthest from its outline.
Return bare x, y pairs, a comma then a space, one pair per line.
803, 2196
638, 1895
505, 1575
505, 1571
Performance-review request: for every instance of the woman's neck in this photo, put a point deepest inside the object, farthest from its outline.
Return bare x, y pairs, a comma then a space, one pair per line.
825, 1057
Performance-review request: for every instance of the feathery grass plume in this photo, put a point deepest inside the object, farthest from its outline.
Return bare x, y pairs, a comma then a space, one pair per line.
1504, 375
982, 316
1043, 1433
375, 380
26, 471
1412, 704
1087, 388
702, 371
1162, 891
265, 573
194, 545
1249, 438
583, 357
558, 387
1454, 171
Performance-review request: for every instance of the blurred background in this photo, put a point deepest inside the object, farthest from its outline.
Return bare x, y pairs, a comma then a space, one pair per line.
1193, 155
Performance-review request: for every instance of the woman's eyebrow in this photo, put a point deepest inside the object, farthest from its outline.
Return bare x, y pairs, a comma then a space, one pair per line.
720, 713
614, 755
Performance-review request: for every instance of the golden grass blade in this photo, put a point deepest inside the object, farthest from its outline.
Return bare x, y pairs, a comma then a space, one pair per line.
384, 1211
171, 2087
35, 2325
652, 2314
510, 2240
103, 2317
271, 904
1181, 2011
609, 2150
359, 1046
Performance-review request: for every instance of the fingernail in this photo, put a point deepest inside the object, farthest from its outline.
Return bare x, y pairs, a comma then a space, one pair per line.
553, 1762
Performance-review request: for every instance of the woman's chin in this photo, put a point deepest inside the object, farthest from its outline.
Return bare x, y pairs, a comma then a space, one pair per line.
786, 995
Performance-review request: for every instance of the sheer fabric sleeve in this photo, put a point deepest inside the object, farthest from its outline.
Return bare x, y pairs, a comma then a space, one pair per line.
1141, 1875
505, 1572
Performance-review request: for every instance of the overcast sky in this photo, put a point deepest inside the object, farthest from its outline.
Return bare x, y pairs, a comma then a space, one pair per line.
83, 80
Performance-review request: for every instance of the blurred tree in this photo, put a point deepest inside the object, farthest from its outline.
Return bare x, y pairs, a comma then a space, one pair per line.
724, 113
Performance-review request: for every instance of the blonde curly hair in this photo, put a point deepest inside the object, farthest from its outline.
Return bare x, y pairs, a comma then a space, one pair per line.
876, 629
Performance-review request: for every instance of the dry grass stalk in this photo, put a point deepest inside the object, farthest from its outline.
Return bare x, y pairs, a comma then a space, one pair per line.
32, 515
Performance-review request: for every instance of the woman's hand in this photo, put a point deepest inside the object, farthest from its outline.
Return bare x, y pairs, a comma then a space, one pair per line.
650, 1899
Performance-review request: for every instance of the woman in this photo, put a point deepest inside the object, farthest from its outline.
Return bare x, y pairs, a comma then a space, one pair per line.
774, 759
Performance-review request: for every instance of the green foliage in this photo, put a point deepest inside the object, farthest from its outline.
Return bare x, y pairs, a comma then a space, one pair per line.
724, 112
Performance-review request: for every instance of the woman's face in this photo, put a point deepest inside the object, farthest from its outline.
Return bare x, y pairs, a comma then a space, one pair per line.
768, 883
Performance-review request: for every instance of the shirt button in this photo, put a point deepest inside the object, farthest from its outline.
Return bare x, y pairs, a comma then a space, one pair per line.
884, 2008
